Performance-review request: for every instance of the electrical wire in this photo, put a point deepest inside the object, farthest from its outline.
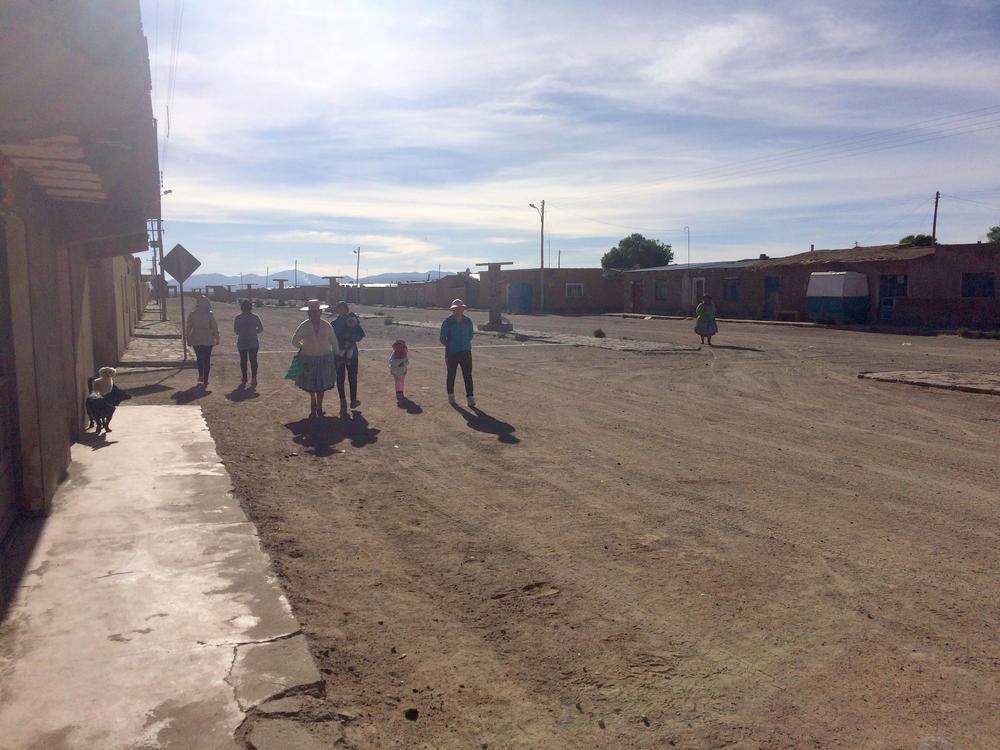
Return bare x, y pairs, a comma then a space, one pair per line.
175, 47
969, 200
948, 126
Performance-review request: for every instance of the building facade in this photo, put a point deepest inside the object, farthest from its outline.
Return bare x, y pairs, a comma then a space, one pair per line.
567, 290
78, 180
945, 286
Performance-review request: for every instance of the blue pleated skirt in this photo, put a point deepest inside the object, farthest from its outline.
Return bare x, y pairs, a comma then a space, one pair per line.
316, 374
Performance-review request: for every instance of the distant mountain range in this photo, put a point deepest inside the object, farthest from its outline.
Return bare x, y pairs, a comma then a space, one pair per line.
305, 278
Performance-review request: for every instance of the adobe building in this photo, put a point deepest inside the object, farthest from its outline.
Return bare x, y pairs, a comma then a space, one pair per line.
943, 286
437, 293
78, 180
567, 290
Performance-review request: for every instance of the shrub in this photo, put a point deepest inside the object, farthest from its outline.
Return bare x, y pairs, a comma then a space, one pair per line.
600, 334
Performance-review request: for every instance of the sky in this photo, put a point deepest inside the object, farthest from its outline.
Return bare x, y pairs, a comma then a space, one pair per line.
421, 131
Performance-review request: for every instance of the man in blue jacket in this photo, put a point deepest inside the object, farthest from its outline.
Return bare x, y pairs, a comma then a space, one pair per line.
456, 335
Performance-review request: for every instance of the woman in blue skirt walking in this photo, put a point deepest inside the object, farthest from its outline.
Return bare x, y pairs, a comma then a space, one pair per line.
318, 348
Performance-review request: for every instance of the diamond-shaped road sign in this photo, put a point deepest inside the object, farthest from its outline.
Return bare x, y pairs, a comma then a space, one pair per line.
180, 264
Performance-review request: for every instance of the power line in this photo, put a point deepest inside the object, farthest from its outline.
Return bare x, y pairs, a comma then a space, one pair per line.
969, 200
175, 47
961, 123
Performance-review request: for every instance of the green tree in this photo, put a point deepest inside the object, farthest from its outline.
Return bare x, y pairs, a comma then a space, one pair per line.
994, 234
635, 251
920, 240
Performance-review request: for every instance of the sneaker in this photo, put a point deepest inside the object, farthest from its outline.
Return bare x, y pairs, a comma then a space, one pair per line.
471, 401
355, 403
243, 383
451, 398
254, 382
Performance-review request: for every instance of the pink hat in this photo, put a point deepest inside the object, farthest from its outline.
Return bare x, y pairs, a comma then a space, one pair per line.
458, 305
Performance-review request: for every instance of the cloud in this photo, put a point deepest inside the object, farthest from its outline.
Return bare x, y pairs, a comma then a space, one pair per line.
338, 124
385, 244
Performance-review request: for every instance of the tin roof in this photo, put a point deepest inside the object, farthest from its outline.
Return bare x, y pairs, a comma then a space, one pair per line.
699, 266
845, 255
851, 255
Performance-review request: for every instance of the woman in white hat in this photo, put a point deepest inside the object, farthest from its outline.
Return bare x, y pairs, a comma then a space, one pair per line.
202, 332
456, 335
318, 348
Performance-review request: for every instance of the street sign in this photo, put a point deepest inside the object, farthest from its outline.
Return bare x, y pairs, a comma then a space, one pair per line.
180, 264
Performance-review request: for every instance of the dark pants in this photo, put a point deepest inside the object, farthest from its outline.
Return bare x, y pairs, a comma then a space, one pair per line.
454, 361
250, 354
347, 369
204, 356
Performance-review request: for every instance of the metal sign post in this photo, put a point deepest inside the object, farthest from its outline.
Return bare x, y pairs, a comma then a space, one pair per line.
180, 264
184, 343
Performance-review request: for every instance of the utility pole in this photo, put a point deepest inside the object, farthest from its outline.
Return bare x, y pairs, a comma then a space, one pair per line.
357, 273
560, 258
937, 197
541, 268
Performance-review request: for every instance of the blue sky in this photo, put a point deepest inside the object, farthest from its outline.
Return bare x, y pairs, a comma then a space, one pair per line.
422, 131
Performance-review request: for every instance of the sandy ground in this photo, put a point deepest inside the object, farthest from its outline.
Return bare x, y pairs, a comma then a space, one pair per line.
745, 546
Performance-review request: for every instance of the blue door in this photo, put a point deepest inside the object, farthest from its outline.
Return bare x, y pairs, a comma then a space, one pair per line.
771, 286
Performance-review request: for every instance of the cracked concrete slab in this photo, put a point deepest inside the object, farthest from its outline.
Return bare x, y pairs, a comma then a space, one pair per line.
282, 734
261, 670
146, 595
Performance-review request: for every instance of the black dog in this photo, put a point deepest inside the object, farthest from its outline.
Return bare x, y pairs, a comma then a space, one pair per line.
100, 409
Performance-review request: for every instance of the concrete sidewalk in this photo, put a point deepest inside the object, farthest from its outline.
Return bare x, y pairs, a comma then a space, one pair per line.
149, 616
154, 342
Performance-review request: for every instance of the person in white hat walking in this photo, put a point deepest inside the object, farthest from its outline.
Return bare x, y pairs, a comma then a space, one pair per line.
318, 347
456, 334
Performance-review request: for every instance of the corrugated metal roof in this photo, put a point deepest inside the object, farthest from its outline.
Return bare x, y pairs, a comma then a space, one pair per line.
851, 255
698, 266
847, 255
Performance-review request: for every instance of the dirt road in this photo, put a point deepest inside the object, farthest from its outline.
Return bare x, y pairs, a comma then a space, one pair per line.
743, 546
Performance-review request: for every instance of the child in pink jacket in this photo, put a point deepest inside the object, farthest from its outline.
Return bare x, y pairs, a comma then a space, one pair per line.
398, 363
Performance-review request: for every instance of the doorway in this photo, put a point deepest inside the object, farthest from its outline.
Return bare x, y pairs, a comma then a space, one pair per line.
772, 285
635, 298
697, 291
9, 458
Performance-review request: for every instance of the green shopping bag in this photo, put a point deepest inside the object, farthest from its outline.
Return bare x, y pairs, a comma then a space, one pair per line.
293, 368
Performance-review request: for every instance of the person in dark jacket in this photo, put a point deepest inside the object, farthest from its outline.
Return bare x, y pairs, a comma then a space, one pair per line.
349, 332
246, 326
456, 334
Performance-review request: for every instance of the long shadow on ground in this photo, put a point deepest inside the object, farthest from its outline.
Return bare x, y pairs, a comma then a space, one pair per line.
736, 348
319, 435
242, 393
412, 407
189, 395
480, 421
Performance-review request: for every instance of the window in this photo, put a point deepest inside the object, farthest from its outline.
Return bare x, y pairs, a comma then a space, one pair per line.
892, 285
660, 290
731, 290
978, 285
574, 291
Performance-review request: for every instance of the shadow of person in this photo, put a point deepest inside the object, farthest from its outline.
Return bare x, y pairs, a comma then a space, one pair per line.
412, 407
319, 435
737, 348
147, 390
242, 393
189, 395
94, 441
480, 421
